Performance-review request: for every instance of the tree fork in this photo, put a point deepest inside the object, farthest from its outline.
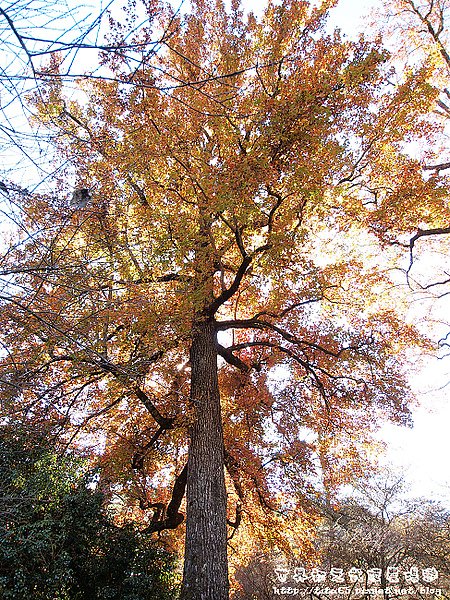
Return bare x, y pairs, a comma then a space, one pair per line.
206, 566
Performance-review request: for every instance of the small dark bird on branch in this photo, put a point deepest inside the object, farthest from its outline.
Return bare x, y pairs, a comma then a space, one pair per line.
80, 198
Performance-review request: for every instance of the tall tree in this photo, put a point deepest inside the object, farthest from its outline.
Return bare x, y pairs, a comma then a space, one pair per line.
233, 195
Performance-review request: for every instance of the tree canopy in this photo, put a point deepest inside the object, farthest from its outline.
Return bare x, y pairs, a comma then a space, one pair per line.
209, 306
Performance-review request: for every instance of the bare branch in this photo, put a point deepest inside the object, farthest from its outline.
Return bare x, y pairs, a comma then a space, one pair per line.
173, 518
423, 233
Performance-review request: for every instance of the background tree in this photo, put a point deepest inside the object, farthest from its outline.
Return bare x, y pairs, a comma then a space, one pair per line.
418, 31
379, 529
372, 527
240, 186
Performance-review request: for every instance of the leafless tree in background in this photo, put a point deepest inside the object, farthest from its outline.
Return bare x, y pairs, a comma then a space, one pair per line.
374, 528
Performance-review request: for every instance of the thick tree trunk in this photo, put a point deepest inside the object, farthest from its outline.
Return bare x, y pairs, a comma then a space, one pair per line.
205, 567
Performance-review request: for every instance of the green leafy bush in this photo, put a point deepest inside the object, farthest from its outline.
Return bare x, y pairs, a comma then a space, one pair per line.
56, 539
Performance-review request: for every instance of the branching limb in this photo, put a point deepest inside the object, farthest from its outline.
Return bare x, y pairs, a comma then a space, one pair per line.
102, 362
437, 168
255, 323
233, 470
231, 359
172, 518
423, 233
137, 462
434, 31
228, 293
237, 520
279, 200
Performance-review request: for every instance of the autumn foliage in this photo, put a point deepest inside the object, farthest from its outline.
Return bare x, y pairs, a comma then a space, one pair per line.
248, 193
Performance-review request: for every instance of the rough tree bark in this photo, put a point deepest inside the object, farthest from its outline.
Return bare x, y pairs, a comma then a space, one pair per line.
206, 567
